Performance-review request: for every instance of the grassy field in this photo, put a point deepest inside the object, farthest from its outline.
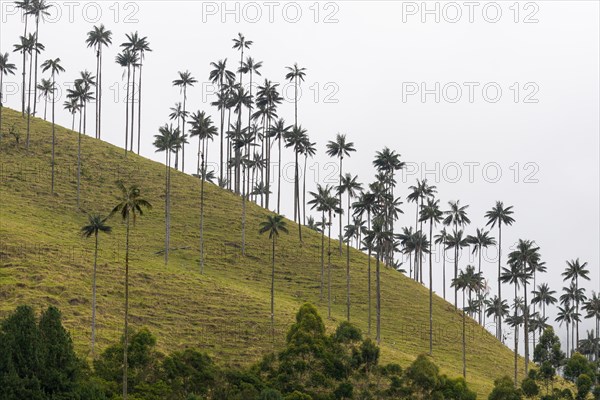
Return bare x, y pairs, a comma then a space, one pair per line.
225, 311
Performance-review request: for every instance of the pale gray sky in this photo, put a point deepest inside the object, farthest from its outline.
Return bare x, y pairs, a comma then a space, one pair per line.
490, 100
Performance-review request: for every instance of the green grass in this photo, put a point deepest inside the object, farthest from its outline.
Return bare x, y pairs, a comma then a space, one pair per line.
44, 260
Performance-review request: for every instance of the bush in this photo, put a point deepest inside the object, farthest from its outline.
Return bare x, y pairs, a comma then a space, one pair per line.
504, 389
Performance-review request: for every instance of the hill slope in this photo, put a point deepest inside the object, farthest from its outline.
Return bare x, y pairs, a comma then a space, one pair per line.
44, 260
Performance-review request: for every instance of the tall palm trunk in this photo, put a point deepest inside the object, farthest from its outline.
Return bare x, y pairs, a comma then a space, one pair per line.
1, 102
444, 269
348, 265
79, 157
222, 115
455, 274
273, 291
127, 110
577, 309
526, 323
24, 71
37, 29
369, 275
29, 100
378, 304
203, 178
516, 337
167, 190
297, 193
94, 295
341, 240
322, 253
329, 268
126, 333
243, 212
53, 126
132, 109
279, 179
431, 291
464, 340
183, 130
304, 192
499, 275
97, 86
139, 133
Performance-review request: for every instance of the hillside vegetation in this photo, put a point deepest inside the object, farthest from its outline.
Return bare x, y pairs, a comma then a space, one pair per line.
225, 311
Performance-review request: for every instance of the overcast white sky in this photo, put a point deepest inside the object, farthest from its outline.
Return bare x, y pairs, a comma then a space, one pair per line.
516, 118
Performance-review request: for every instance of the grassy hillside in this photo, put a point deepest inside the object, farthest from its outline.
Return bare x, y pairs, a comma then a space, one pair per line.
44, 260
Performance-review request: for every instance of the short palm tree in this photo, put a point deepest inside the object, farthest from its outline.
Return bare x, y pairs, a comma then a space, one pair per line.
6, 68
72, 106
274, 224
481, 240
340, 148
95, 225
575, 271
98, 38
565, 316
184, 81
55, 68
502, 216
432, 214
169, 141
130, 206
319, 202
46, 89
296, 138
498, 309
545, 296
278, 131
456, 241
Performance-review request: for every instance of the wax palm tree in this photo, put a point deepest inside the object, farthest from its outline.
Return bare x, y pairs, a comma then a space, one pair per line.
309, 149
296, 75
278, 132
573, 294
575, 271
184, 81
481, 240
592, 308
25, 6
565, 316
53, 65
251, 68
319, 202
441, 239
202, 126
351, 187
314, 225
130, 206
502, 216
340, 148
418, 194
240, 43
82, 94
456, 241
46, 89
140, 46
462, 282
407, 243
273, 225
98, 38
432, 214
515, 275
296, 139
526, 256
379, 239
219, 74
72, 106
6, 69
38, 9
127, 59
331, 205
498, 309
515, 321
367, 203
86, 79
590, 346
96, 224
29, 45
169, 141
243, 142
545, 296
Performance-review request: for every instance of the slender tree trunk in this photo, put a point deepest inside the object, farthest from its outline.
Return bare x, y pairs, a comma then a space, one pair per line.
222, 115
94, 296
183, 129
53, 127
279, 180
322, 252
526, 325
304, 192
127, 110
140, 106
341, 239
273, 291
202, 177
243, 213
126, 332
45, 107
29, 101
516, 338
167, 151
24, 72
298, 198
37, 29
444, 269
378, 304
455, 274
431, 290
97, 86
79, 159
1, 103
499, 275
464, 341
348, 266
369, 275
329, 268
132, 110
